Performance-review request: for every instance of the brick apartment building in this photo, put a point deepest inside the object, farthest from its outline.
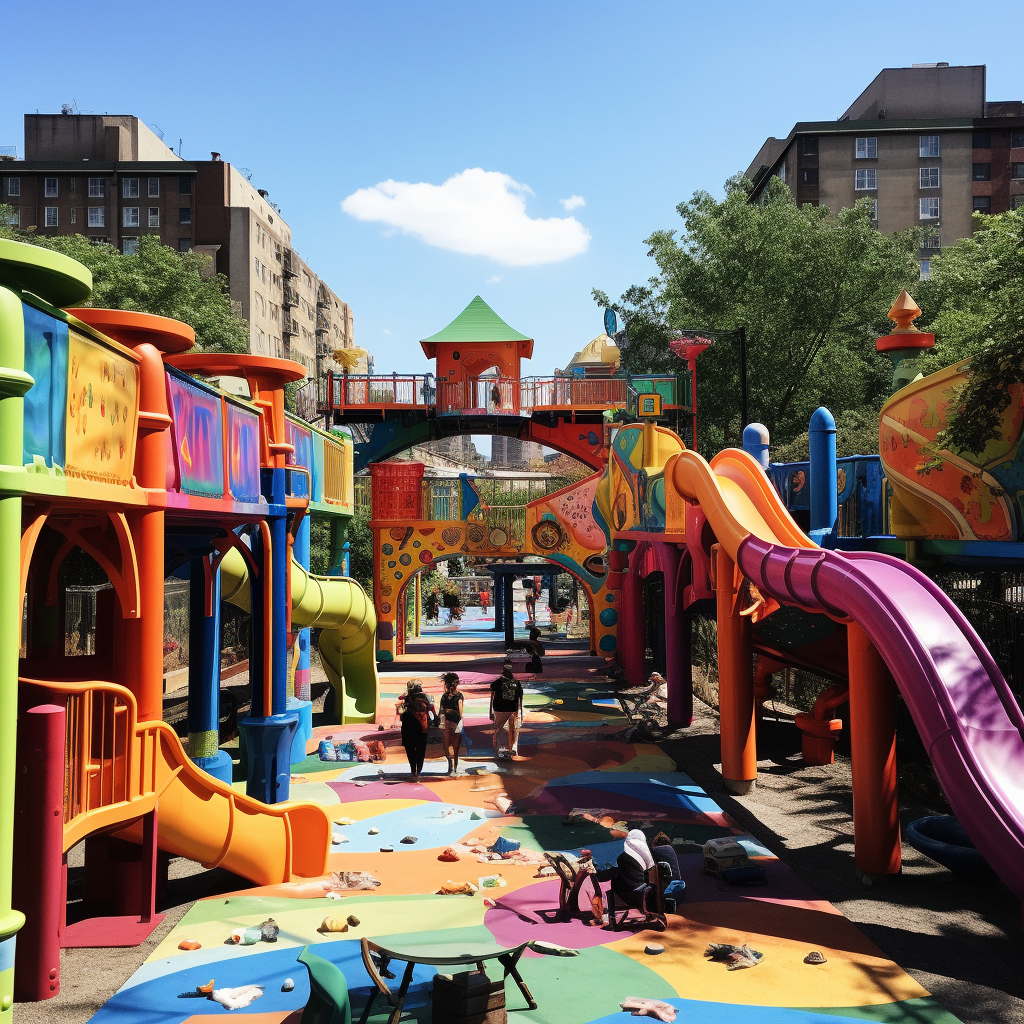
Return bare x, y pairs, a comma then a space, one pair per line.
922, 142
112, 179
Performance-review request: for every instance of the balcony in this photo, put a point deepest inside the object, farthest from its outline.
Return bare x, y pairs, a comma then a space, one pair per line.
289, 326
291, 297
287, 265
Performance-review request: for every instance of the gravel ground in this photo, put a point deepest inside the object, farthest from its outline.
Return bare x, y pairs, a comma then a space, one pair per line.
961, 942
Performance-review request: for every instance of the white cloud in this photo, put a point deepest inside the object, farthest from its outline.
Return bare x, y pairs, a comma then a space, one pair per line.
386, 331
494, 279
476, 212
573, 202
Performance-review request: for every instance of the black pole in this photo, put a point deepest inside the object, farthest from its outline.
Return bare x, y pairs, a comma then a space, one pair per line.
744, 419
510, 622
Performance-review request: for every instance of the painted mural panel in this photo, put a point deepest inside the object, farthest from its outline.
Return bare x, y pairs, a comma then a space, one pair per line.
301, 439
198, 438
102, 412
243, 453
46, 360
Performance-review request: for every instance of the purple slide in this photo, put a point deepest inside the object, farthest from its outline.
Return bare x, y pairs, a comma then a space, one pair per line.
968, 719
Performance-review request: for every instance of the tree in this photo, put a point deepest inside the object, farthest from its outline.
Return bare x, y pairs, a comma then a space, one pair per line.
360, 541
154, 279
811, 289
974, 302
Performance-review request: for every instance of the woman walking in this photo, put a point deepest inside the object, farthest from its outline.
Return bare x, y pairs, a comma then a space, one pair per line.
451, 720
414, 711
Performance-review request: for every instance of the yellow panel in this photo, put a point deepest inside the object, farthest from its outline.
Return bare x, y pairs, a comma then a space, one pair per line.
102, 412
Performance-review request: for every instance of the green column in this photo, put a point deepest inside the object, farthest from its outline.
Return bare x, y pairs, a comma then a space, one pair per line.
14, 382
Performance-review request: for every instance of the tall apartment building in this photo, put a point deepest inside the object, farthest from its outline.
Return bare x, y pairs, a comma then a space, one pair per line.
112, 179
922, 142
512, 453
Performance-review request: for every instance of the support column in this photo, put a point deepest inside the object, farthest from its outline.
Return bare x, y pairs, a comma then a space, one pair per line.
509, 615
299, 702
631, 626
418, 605
39, 865
678, 666
204, 671
499, 602
735, 680
876, 819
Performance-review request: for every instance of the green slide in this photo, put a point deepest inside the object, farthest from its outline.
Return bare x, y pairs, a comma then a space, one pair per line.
342, 610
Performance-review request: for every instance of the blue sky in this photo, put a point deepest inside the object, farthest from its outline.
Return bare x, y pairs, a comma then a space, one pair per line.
631, 106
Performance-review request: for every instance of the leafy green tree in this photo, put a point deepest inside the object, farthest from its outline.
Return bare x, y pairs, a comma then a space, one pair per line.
974, 302
811, 289
154, 279
360, 540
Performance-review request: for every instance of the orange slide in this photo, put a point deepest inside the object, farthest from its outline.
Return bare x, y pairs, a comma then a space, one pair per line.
142, 763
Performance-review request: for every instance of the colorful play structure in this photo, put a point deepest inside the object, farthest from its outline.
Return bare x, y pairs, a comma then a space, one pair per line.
116, 439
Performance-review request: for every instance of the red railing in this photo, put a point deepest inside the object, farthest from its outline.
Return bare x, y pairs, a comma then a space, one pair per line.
574, 392
481, 396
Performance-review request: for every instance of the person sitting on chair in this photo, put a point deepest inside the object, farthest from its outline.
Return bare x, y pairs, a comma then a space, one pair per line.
633, 886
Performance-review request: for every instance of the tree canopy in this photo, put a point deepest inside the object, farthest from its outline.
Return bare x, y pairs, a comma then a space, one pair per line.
155, 279
974, 302
812, 290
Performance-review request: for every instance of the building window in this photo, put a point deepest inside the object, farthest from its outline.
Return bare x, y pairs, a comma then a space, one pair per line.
809, 145
74, 214
1017, 140
866, 178
931, 239
867, 149
809, 176
129, 246
14, 186
184, 244
185, 215
97, 188
929, 177
982, 140
1017, 171
1016, 202
929, 145
184, 185
130, 217
50, 188
97, 217
51, 217
154, 188
926, 269
929, 209
874, 210
154, 216
130, 188
13, 219
98, 239
981, 172
982, 204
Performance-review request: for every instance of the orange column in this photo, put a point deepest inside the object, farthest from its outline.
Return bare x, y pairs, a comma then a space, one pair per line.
144, 637
735, 680
876, 820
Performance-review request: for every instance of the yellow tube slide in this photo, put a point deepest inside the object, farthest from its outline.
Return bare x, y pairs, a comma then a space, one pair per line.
342, 610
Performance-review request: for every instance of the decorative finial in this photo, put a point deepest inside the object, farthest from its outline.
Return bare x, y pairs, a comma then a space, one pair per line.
904, 312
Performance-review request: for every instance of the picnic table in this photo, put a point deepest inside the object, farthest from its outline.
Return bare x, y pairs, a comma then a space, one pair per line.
377, 957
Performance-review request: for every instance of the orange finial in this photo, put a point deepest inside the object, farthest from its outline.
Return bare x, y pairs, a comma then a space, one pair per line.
904, 311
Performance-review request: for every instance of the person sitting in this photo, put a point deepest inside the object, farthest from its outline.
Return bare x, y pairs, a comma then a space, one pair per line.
637, 885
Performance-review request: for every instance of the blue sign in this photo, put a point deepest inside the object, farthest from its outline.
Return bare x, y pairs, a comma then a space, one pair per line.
610, 323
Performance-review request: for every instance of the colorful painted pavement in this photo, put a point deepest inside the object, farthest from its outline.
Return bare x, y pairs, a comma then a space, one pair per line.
574, 757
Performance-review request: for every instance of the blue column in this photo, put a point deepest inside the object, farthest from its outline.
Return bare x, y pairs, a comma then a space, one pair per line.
299, 701
755, 442
824, 492
204, 671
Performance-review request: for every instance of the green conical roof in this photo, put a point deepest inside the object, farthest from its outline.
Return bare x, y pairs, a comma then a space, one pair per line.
477, 322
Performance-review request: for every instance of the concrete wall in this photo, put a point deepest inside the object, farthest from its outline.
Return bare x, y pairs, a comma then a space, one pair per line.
92, 137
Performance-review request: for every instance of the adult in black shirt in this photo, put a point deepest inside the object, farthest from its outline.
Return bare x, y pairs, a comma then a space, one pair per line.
506, 703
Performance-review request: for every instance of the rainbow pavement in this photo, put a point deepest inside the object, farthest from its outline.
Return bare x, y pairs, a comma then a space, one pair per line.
573, 756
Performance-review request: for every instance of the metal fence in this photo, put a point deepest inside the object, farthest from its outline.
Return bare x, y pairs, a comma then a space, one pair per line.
80, 620
176, 632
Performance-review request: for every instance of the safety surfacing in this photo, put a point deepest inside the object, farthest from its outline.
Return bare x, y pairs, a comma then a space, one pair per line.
578, 782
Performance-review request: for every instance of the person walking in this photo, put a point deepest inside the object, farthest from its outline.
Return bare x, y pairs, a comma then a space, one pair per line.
414, 711
536, 652
506, 705
530, 593
452, 701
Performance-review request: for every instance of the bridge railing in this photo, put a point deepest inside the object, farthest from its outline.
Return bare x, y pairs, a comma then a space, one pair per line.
481, 396
574, 392
380, 389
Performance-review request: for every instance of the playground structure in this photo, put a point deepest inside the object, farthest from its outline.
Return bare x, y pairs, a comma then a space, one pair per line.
109, 444
111, 447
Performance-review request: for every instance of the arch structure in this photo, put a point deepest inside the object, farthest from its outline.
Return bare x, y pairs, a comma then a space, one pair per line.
565, 528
